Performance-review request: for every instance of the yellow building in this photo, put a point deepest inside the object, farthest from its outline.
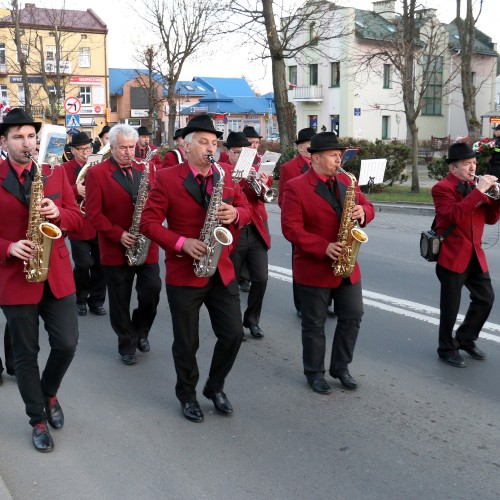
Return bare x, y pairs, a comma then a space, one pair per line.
66, 54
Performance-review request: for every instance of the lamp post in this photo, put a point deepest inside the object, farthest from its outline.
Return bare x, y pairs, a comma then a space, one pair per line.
178, 117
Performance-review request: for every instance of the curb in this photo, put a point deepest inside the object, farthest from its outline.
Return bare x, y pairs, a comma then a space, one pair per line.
4, 492
405, 208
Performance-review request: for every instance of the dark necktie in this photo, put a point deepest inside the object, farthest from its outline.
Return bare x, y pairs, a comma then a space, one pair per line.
27, 184
464, 188
330, 184
203, 190
128, 174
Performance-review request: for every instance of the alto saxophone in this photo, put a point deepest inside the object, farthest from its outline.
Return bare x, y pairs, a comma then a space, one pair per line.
349, 233
40, 232
212, 233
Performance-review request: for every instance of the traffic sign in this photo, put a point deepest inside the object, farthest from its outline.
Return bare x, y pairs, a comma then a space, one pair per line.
72, 105
72, 121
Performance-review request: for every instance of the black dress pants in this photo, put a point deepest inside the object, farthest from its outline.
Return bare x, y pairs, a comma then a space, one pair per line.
481, 297
252, 250
348, 302
88, 273
9, 355
223, 304
60, 322
120, 280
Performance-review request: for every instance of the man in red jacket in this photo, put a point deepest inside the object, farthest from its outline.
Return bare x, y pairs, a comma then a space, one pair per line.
182, 195
177, 155
463, 205
144, 146
24, 302
313, 206
111, 193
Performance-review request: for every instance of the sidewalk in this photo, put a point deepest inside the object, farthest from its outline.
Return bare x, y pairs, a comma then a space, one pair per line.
4, 492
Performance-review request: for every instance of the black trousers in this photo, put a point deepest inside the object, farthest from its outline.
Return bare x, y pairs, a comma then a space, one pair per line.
60, 322
252, 251
9, 355
88, 272
348, 302
120, 280
223, 304
482, 297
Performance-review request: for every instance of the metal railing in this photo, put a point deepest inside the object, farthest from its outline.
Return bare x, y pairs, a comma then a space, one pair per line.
307, 92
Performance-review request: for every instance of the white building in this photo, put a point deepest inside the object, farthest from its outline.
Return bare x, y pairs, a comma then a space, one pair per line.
335, 91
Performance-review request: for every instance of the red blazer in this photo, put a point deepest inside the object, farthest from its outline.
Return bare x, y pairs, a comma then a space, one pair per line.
109, 208
171, 159
176, 197
87, 232
289, 170
224, 157
470, 214
310, 223
140, 154
14, 289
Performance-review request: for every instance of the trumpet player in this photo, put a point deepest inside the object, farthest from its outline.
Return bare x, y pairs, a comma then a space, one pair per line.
24, 302
253, 241
87, 270
463, 206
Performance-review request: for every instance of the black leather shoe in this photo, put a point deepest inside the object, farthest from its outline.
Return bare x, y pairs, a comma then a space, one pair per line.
475, 352
42, 440
81, 309
330, 312
192, 411
320, 385
456, 361
129, 359
1, 379
220, 401
98, 311
55, 415
255, 331
245, 286
346, 380
143, 345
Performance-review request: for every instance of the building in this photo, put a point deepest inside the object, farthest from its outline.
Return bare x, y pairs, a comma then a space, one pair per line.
336, 91
66, 53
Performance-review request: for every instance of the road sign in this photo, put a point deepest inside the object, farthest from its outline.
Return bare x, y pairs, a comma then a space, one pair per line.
72, 105
72, 121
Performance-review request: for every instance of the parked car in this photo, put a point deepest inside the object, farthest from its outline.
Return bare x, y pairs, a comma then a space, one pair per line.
275, 137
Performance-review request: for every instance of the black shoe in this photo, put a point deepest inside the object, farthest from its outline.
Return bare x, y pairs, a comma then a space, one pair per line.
220, 401
474, 351
192, 411
10, 371
98, 311
255, 331
320, 385
346, 380
456, 361
129, 359
42, 440
143, 345
55, 415
81, 309
245, 286
1, 379
330, 312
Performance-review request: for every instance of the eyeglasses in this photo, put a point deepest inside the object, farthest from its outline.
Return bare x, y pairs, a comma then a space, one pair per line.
84, 150
237, 153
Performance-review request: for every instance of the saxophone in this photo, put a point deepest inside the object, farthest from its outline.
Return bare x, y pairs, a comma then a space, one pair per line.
349, 233
137, 253
212, 233
40, 232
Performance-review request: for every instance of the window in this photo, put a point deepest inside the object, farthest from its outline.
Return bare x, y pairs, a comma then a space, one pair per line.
335, 123
113, 103
25, 51
20, 95
387, 76
50, 56
335, 74
2, 53
3, 93
434, 94
313, 34
313, 121
85, 95
292, 75
84, 57
386, 127
313, 74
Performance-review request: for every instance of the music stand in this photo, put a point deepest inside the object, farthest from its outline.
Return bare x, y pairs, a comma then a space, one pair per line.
372, 172
348, 155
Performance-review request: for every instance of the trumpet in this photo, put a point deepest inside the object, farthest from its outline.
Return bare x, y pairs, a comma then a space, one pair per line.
493, 192
268, 194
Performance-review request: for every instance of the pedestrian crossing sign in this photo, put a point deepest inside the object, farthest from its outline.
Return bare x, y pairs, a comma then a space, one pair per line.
72, 121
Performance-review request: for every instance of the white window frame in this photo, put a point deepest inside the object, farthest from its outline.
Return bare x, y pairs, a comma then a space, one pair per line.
85, 95
84, 57
50, 54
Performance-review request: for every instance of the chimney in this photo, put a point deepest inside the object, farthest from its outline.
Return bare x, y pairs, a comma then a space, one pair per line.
385, 8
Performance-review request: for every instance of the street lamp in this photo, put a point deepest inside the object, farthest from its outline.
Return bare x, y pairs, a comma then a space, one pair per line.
178, 117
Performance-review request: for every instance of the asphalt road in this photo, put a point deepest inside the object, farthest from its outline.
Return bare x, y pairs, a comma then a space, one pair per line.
417, 428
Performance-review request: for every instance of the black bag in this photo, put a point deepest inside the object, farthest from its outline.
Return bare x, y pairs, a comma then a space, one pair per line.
430, 242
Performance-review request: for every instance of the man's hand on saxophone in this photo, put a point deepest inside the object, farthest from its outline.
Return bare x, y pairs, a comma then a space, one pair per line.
194, 248
22, 249
49, 210
226, 214
333, 250
127, 239
358, 214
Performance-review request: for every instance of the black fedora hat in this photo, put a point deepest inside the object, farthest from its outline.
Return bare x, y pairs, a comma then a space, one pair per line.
178, 133
459, 151
251, 132
324, 141
80, 139
305, 135
497, 127
17, 117
143, 131
236, 140
104, 130
200, 123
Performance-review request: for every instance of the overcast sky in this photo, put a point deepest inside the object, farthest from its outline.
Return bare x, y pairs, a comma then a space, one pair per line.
125, 34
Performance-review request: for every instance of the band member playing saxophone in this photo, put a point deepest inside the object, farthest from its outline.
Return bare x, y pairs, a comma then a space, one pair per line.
144, 147
183, 196
111, 193
23, 300
315, 208
87, 271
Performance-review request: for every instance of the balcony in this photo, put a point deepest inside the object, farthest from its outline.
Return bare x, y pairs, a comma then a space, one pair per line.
64, 67
308, 93
3, 68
